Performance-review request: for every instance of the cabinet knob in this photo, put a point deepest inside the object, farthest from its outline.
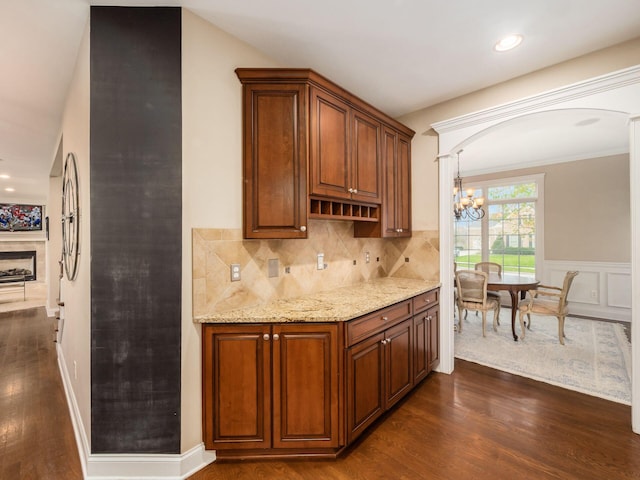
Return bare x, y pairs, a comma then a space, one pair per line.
265, 336
303, 228
350, 190
384, 319
429, 317
276, 336
383, 342
355, 190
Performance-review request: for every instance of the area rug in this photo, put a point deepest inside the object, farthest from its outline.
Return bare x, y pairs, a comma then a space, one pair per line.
596, 357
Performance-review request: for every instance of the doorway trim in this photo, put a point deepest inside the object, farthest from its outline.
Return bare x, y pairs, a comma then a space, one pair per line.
620, 91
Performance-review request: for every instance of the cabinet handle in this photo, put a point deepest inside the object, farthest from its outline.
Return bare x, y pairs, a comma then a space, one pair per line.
276, 336
303, 228
384, 319
265, 336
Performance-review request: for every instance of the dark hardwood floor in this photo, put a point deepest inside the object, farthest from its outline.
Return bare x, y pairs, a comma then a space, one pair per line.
476, 424
36, 435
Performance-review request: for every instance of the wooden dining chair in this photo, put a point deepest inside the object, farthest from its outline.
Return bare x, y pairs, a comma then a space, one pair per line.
491, 268
547, 300
471, 286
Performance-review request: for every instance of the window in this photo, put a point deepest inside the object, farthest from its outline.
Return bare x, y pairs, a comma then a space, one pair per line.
509, 231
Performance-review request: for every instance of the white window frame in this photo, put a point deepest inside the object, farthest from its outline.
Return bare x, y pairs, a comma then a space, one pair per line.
538, 178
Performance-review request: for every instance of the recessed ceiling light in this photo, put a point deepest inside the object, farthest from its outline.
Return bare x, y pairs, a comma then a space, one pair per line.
9, 189
5, 176
508, 42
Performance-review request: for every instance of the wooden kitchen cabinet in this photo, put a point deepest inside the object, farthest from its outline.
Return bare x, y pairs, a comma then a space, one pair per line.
294, 390
426, 331
312, 150
270, 387
345, 150
395, 218
236, 386
274, 166
365, 385
379, 368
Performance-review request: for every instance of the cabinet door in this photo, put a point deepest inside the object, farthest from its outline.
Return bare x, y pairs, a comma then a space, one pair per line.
398, 362
366, 174
397, 199
365, 387
390, 212
395, 220
421, 345
403, 187
236, 386
305, 386
434, 336
329, 140
275, 159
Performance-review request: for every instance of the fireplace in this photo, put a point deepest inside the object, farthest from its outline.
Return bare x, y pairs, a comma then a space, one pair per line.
18, 263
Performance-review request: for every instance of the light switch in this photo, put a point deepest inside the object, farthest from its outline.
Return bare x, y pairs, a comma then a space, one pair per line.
273, 267
321, 261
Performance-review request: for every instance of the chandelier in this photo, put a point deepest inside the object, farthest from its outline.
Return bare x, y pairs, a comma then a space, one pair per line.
465, 206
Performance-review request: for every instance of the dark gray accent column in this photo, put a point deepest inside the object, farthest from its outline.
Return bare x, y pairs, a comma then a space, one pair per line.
136, 229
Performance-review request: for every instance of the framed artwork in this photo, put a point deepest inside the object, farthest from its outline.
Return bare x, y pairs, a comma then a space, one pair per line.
20, 218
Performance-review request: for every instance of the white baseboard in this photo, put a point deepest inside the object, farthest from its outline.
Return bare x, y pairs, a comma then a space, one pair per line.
142, 466
128, 466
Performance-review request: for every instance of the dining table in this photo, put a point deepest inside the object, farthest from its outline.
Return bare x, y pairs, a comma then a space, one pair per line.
517, 285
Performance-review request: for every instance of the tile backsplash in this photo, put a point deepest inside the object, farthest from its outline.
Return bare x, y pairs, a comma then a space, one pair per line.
215, 250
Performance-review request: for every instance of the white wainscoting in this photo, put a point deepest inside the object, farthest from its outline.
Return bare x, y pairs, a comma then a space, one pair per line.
601, 290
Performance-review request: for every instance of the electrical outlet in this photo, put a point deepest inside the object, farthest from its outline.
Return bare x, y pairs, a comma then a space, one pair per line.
594, 294
235, 272
320, 262
367, 257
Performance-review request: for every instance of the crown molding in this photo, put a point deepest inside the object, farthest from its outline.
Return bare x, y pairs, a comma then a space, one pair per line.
603, 83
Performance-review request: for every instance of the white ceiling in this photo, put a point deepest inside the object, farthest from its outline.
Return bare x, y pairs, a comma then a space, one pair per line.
400, 55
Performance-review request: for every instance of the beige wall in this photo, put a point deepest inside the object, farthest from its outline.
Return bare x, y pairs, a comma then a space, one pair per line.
76, 295
587, 214
212, 173
425, 143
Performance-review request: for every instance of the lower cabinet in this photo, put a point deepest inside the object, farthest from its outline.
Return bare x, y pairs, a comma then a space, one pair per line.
379, 373
310, 389
426, 328
270, 386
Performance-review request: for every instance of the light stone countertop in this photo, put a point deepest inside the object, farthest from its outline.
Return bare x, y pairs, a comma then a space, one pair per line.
341, 304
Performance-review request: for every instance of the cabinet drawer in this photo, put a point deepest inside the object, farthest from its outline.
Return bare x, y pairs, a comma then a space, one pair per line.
425, 300
375, 322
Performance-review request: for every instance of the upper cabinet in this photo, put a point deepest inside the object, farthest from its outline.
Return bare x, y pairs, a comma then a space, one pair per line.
395, 218
345, 150
314, 150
